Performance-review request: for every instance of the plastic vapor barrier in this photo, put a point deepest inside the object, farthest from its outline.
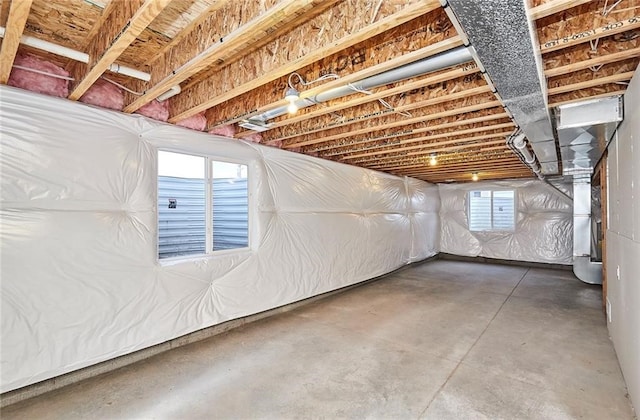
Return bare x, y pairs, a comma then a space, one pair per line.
542, 229
81, 279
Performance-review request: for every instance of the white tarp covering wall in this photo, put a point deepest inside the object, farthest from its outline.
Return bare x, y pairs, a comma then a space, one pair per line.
81, 282
543, 229
623, 241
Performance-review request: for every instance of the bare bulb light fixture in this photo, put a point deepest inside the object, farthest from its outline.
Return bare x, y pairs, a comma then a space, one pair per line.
292, 95
474, 176
433, 160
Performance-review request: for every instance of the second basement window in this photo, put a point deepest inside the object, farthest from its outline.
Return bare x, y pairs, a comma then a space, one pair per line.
491, 210
203, 205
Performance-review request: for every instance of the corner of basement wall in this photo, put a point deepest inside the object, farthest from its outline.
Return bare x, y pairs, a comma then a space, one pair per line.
623, 241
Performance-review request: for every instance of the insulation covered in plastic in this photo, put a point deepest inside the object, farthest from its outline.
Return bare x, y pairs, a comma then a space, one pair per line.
36, 82
195, 122
81, 281
543, 230
156, 110
104, 94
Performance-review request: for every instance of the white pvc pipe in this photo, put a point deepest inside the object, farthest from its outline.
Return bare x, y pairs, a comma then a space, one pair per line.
76, 55
529, 158
173, 91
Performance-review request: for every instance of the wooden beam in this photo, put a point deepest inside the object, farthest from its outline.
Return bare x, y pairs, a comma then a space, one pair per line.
583, 98
594, 62
234, 80
453, 158
602, 27
398, 89
16, 21
187, 31
421, 165
376, 110
477, 149
428, 116
169, 74
463, 144
483, 177
126, 21
370, 151
552, 7
591, 83
5, 5
480, 165
409, 132
275, 97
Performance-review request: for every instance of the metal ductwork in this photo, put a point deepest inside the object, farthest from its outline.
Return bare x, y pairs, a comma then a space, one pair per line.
584, 132
426, 65
504, 39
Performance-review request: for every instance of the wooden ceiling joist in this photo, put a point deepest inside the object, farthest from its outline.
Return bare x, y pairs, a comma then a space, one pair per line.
622, 77
232, 36
430, 113
424, 141
572, 32
302, 47
401, 88
275, 96
375, 110
446, 158
479, 165
413, 131
456, 161
463, 143
188, 31
344, 103
584, 94
604, 47
16, 21
483, 176
593, 63
127, 19
552, 7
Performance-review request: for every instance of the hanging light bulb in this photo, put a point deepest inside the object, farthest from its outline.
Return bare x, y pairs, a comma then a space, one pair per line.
292, 108
474, 176
292, 95
433, 159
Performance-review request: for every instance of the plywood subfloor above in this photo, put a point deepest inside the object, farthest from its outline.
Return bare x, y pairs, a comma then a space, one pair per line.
233, 60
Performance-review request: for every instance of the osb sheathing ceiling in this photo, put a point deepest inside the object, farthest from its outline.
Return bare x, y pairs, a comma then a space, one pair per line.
233, 60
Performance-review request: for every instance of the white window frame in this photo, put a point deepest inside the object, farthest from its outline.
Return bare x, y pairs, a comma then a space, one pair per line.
492, 190
208, 179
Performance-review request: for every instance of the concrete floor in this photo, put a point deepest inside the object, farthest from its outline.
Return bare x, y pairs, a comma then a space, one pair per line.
441, 340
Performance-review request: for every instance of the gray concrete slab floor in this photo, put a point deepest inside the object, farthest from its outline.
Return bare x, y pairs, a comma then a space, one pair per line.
440, 340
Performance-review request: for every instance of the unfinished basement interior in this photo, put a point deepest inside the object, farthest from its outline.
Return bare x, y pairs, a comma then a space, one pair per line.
386, 209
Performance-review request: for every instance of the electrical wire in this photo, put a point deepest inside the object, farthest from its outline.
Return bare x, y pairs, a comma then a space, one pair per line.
133, 92
57, 76
382, 101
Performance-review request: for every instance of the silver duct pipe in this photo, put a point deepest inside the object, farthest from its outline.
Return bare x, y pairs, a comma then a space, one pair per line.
505, 41
586, 270
584, 131
426, 65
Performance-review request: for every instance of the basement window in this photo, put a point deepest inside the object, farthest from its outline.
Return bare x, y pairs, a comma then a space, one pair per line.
491, 210
203, 205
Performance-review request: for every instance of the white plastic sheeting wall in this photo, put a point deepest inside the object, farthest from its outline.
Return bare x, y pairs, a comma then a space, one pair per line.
623, 241
543, 223
80, 279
